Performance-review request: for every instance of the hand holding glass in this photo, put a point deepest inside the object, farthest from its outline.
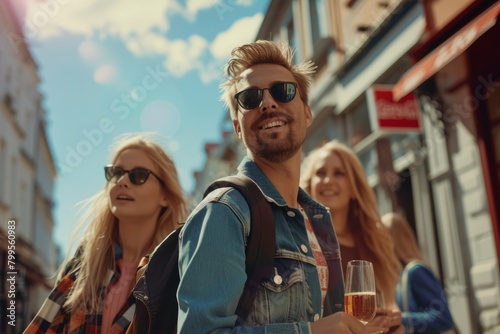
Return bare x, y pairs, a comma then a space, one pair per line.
359, 297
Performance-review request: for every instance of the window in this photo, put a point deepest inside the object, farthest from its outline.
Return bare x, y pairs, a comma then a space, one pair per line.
368, 160
284, 31
321, 43
351, 3
326, 127
401, 143
319, 19
359, 124
290, 35
7, 100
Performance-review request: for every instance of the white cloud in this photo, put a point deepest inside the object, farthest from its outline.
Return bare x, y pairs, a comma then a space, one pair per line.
194, 6
143, 27
210, 72
244, 2
183, 56
117, 18
149, 43
220, 6
242, 31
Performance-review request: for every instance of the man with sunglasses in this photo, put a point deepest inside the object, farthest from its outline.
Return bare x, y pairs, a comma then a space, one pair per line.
267, 97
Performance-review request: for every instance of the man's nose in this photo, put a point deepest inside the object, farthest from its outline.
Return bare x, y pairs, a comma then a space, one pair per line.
268, 101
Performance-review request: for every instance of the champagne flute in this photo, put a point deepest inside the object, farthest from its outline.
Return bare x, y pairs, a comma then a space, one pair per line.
359, 297
380, 300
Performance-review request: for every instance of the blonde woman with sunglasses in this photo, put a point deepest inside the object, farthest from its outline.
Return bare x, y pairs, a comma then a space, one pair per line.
140, 204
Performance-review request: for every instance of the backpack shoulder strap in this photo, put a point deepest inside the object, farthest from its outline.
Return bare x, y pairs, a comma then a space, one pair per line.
155, 290
261, 241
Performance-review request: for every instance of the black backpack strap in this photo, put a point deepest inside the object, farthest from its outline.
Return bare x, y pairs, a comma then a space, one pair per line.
261, 241
156, 305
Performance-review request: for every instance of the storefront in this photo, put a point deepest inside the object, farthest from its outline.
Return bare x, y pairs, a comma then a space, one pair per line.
457, 77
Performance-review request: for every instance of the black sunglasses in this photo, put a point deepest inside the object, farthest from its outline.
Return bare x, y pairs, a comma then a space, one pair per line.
251, 98
137, 176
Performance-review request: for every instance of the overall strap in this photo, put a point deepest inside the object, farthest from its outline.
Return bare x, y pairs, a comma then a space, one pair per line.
261, 241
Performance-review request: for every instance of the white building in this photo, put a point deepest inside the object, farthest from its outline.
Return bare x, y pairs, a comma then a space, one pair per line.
27, 174
222, 160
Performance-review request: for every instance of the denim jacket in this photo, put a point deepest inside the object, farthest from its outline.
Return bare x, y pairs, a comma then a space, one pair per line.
212, 265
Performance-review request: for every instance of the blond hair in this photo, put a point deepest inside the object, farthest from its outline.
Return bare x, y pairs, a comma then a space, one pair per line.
405, 243
101, 232
374, 243
263, 52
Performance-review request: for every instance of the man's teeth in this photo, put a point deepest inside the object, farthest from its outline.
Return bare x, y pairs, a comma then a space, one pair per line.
273, 124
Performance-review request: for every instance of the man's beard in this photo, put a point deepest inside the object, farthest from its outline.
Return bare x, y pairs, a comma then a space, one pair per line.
272, 149
280, 150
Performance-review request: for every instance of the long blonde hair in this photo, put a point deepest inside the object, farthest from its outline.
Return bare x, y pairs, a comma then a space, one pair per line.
374, 243
97, 246
405, 243
263, 52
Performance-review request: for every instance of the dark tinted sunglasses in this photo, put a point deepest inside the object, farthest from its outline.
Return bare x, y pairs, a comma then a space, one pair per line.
251, 98
137, 176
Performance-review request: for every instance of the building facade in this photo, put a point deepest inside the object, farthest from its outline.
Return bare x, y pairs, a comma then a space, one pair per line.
432, 149
28, 256
222, 160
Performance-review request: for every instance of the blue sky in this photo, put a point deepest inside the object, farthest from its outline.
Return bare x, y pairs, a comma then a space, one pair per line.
116, 66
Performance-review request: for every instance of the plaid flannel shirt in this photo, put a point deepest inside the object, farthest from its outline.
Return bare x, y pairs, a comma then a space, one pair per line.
54, 319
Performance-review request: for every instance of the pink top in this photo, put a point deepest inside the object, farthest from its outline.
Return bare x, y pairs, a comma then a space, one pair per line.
118, 294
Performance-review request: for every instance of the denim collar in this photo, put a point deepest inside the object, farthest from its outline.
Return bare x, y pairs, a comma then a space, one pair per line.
250, 169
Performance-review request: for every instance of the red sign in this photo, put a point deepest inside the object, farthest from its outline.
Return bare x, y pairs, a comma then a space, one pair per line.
446, 52
395, 116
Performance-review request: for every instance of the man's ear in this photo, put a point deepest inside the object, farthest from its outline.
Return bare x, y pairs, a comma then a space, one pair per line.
309, 116
237, 127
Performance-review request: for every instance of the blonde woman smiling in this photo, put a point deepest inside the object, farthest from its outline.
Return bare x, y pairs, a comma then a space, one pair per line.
334, 176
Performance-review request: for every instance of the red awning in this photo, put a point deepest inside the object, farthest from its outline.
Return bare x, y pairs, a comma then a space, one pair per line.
446, 52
